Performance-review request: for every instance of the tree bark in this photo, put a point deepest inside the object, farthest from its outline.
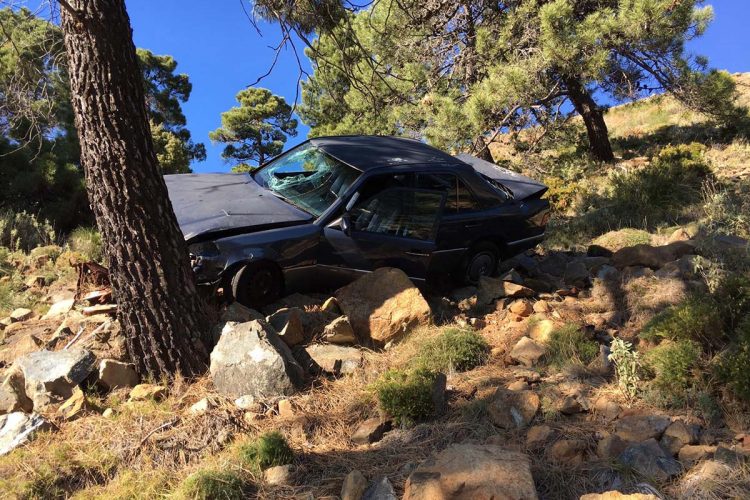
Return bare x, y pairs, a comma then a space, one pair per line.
164, 320
593, 118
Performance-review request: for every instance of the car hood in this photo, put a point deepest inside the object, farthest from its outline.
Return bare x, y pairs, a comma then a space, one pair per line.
211, 204
521, 186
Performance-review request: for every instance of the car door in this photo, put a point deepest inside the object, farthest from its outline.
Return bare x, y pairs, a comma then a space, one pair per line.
394, 227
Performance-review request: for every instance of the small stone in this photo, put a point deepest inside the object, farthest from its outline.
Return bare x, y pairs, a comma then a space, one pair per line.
729, 456
331, 306
335, 359
637, 428
521, 307
280, 475
371, 431
201, 407
59, 308
114, 374
518, 385
246, 402
380, 489
339, 331
570, 406
21, 314
513, 409
689, 454
678, 434
527, 352
609, 409
568, 452
108, 413
649, 459
354, 486
142, 392
288, 324
610, 446
542, 307
493, 288
285, 409
541, 331
74, 406
538, 435
616, 495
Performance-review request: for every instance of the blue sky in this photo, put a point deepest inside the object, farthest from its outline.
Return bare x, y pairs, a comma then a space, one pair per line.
216, 45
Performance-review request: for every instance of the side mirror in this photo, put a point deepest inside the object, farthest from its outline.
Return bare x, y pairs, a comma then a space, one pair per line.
346, 224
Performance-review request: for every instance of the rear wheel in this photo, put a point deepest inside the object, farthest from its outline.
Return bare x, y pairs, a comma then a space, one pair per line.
257, 284
481, 260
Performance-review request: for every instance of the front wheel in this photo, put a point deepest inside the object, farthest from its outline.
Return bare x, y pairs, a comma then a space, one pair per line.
257, 284
481, 260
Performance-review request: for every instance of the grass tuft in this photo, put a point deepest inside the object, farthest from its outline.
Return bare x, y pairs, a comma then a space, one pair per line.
407, 395
211, 485
568, 345
454, 349
267, 450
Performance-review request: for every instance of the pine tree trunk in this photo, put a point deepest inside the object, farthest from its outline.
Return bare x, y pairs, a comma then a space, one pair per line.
593, 118
164, 319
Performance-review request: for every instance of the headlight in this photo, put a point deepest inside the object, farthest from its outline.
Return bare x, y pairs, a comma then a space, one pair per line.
205, 249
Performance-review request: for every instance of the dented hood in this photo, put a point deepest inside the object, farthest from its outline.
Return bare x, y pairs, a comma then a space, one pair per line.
520, 185
209, 204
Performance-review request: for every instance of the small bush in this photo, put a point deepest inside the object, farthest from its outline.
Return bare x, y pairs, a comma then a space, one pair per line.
696, 319
454, 349
726, 212
210, 485
24, 231
625, 237
407, 396
733, 369
86, 241
732, 297
568, 345
268, 450
627, 366
561, 193
673, 365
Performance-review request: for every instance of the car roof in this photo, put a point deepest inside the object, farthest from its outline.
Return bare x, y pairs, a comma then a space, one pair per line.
366, 152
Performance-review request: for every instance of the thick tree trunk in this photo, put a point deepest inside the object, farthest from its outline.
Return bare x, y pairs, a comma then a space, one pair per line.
593, 118
164, 319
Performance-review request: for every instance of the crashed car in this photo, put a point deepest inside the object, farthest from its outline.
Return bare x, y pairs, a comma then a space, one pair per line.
333, 208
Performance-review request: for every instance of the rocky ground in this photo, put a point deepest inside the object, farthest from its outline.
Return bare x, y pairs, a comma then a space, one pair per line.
538, 413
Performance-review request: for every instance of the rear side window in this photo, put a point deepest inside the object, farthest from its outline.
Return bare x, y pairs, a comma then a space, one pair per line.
404, 212
458, 197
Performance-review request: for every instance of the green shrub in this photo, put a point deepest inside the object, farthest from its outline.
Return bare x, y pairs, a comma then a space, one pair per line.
407, 395
86, 241
732, 297
210, 485
673, 365
454, 349
267, 450
561, 193
24, 231
696, 319
569, 345
733, 369
627, 366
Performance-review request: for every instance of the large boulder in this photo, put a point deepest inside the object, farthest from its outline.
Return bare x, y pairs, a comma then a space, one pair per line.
51, 376
383, 305
651, 256
470, 471
17, 428
251, 359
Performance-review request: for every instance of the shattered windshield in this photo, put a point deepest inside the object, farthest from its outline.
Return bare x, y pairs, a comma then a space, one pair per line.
307, 178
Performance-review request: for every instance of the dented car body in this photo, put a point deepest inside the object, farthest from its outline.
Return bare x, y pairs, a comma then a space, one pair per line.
332, 208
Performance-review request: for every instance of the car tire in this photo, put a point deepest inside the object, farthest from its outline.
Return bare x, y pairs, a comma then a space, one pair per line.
257, 284
481, 260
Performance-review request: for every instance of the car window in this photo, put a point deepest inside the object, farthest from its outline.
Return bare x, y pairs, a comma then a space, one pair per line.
307, 178
458, 200
409, 213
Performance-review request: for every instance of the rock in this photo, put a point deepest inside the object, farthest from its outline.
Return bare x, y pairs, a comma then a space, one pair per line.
439, 400
608, 274
108, 412
712, 479
513, 409
651, 256
74, 406
17, 428
569, 452
692, 454
383, 305
678, 434
616, 495
280, 475
527, 352
650, 460
99, 309
143, 392
335, 359
576, 274
729, 456
238, 313
598, 251
730, 242
20, 314
201, 407
610, 446
492, 288
569, 406
354, 486
331, 306
512, 276
541, 285
285, 408
637, 428
51, 376
380, 489
114, 374
518, 385
371, 431
463, 293
469, 471
521, 307
541, 331
595, 263
251, 359
542, 307
288, 324
538, 436
340, 331
13, 393
554, 263
59, 308
246, 402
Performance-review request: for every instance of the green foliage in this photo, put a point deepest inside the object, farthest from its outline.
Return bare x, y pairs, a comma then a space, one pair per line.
406, 395
267, 450
453, 349
211, 485
23, 231
673, 364
725, 211
257, 129
88, 242
627, 366
696, 319
732, 368
561, 193
568, 345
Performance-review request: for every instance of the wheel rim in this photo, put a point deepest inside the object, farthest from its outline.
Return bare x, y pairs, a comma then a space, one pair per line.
481, 264
262, 287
